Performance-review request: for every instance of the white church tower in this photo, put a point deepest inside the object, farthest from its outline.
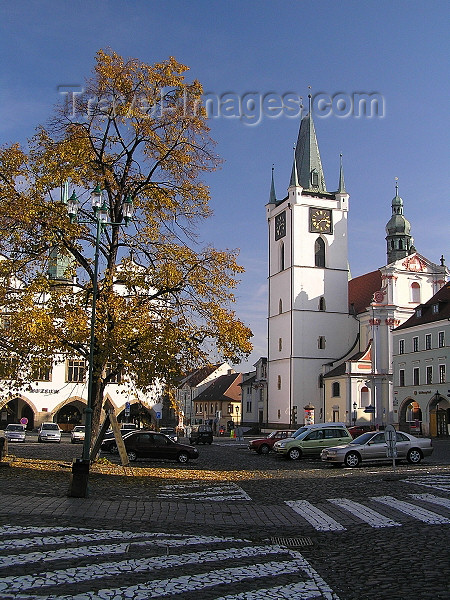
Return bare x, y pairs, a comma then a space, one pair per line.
308, 318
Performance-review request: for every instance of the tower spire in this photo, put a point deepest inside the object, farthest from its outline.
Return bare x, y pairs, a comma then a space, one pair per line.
272, 195
294, 174
341, 189
307, 155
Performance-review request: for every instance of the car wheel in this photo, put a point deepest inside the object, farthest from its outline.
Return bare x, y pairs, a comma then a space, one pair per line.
263, 449
132, 456
191, 442
352, 459
294, 453
210, 443
72, 441
414, 456
39, 440
182, 458
114, 449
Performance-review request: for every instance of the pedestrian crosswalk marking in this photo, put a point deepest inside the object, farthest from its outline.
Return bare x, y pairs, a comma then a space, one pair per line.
424, 515
433, 499
437, 482
366, 514
200, 491
252, 566
318, 519
321, 521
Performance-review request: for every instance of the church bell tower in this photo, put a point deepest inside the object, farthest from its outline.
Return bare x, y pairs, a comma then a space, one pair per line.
308, 318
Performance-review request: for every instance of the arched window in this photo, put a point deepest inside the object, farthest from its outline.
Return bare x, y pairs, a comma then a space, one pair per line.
281, 256
319, 253
322, 303
321, 342
280, 306
279, 382
415, 292
365, 397
336, 389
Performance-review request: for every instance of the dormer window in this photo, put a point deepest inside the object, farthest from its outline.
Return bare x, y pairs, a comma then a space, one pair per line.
314, 178
418, 312
435, 309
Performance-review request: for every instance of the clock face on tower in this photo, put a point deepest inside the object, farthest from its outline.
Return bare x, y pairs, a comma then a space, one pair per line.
320, 220
280, 225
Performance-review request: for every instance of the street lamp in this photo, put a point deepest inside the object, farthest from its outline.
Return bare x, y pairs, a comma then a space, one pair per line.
355, 406
100, 220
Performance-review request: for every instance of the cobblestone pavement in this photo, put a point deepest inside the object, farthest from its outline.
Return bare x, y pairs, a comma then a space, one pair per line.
232, 525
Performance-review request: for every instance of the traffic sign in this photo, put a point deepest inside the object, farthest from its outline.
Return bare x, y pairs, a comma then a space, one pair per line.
24, 421
369, 409
390, 435
158, 415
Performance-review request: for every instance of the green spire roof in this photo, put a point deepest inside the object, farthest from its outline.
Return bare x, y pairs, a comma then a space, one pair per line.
294, 174
341, 189
307, 156
272, 196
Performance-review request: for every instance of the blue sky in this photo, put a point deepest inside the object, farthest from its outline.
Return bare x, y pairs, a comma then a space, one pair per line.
397, 49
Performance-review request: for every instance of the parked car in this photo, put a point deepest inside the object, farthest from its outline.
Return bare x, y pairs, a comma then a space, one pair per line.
109, 437
151, 444
170, 431
372, 446
357, 430
77, 434
310, 440
15, 432
49, 432
202, 434
265, 445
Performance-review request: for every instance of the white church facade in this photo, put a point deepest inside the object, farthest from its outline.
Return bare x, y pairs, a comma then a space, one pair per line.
329, 336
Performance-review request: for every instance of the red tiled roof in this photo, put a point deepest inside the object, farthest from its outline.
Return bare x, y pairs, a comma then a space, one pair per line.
197, 376
225, 387
361, 290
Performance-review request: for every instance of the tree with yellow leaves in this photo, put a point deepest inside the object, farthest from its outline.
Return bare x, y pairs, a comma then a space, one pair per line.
139, 132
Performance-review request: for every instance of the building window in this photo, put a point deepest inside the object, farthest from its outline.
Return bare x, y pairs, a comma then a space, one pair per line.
8, 367
416, 377
401, 347
42, 371
281, 256
280, 306
418, 313
441, 373
319, 253
321, 381
279, 414
279, 382
401, 378
435, 309
322, 303
441, 339
415, 292
428, 341
415, 344
364, 397
116, 377
280, 344
336, 389
249, 406
321, 342
76, 371
429, 375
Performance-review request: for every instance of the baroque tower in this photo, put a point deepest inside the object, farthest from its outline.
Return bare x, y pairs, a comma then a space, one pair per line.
309, 324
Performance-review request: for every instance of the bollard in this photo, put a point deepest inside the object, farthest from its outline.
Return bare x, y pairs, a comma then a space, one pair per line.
78, 486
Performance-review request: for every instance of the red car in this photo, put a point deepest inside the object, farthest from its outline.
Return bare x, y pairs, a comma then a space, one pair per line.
265, 445
359, 429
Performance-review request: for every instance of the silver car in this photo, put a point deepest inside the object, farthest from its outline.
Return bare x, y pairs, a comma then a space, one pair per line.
49, 432
15, 432
77, 434
372, 447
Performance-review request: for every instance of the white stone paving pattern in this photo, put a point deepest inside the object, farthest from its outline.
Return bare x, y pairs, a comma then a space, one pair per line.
266, 561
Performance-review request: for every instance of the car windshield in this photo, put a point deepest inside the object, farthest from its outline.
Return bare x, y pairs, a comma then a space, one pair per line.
50, 426
363, 438
14, 428
273, 434
299, 431
79, 428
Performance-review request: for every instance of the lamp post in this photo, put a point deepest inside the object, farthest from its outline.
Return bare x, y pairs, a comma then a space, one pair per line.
355, 406
80, 468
